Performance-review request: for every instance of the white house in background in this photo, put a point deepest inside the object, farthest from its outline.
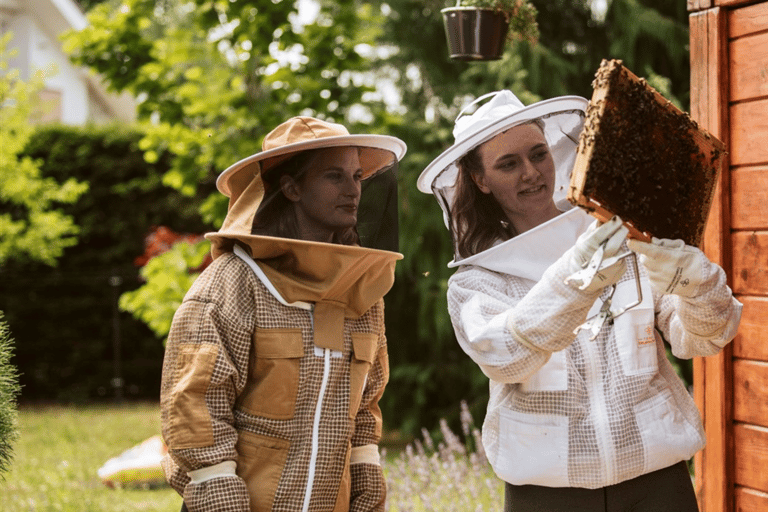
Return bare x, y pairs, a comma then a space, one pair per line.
71, 95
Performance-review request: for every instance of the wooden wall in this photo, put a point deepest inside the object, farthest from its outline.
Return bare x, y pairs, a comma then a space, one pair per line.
729, 97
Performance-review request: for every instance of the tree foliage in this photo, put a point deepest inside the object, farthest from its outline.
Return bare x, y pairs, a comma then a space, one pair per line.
214, 77
32, 227
63, 318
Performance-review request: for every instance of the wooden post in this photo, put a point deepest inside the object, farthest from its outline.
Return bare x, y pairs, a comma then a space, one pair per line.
713, 375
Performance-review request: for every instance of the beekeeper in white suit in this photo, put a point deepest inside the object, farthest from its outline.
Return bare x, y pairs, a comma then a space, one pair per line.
585, 411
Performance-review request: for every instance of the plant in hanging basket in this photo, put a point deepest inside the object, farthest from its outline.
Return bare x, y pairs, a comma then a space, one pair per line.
520, 15
478, 29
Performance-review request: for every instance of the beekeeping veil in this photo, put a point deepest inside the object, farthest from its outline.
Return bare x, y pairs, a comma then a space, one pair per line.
341, 280
562, 119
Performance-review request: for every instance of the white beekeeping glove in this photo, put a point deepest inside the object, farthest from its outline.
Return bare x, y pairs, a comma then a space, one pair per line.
673, 267
596, 252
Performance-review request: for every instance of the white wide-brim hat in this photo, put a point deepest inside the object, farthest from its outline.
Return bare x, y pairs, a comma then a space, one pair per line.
377, 152
562, 118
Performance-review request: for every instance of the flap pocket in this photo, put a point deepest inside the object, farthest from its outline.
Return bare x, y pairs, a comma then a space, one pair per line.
278, 343
533, 449
364, 345
189, 421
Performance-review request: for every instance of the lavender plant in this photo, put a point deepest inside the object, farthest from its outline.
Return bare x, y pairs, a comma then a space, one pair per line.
450, 475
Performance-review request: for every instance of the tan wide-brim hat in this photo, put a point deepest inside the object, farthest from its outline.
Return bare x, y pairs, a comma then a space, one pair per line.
377, 152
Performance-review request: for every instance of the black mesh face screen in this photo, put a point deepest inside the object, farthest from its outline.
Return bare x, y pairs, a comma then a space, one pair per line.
377, 216
377, 213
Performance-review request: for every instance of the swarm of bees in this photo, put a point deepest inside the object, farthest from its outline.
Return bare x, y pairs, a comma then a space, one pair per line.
643, 159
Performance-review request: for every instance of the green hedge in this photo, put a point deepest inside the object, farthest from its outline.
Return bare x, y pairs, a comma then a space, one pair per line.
64, 318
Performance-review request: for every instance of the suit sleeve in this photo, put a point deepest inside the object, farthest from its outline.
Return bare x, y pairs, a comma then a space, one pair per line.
205, 368
368, 487
703, 324
509, 328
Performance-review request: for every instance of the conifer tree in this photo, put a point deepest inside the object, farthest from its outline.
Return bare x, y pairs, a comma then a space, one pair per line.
9, 390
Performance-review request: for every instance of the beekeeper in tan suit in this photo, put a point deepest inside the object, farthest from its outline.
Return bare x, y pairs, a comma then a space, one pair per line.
277, 357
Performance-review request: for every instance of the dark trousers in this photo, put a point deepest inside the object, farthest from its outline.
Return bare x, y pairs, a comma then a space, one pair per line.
666, 490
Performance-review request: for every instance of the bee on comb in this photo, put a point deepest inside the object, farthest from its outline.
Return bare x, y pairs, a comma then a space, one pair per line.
643, 159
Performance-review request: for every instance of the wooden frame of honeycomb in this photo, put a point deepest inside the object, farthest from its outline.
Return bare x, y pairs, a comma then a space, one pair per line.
643, 159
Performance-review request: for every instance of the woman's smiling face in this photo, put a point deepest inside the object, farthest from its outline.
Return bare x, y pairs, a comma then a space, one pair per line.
519, 172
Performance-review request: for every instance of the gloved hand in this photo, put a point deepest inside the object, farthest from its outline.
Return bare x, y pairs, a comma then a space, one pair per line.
672, 266
596, 252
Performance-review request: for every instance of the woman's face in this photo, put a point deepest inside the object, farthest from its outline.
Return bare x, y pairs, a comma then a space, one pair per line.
519, 172
326, 198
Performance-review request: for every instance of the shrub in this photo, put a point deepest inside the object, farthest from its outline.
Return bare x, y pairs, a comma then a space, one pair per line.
9, 390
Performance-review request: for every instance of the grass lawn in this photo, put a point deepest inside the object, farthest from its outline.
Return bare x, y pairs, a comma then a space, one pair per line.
61, 448
59, 451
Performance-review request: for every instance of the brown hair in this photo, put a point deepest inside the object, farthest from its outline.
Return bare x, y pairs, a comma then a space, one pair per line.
276, 215
477, 220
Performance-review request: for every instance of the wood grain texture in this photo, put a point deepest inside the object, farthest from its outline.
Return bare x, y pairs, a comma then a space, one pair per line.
750, 500
749, 67
750, 263
750, 392
749, 198
713, 380
748, 20
752, 340
749, 132
751, 454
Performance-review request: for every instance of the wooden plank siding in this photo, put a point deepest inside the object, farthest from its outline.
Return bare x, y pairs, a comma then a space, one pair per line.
749, 131
729, 97
747, 20
731, 3
750, 500
749, 67
752, 340
750, 390
749, 198
750, 263
751, 451
748, 118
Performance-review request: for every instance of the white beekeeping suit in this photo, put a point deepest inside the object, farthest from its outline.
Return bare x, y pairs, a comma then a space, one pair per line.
565, 410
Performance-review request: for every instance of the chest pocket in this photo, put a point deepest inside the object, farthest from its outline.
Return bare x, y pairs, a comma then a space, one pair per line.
274, 374
635, 330
364, 352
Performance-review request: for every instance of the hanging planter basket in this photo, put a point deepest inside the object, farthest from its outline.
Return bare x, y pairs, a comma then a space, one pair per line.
475, 34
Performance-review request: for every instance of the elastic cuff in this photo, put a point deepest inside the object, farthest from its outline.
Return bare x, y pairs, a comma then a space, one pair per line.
367, 454
223, 469
522, 339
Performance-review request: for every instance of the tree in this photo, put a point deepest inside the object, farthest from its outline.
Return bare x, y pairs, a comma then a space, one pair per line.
214, 77
31, 226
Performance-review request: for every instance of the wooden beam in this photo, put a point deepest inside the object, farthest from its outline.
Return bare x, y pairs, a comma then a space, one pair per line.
712, 375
